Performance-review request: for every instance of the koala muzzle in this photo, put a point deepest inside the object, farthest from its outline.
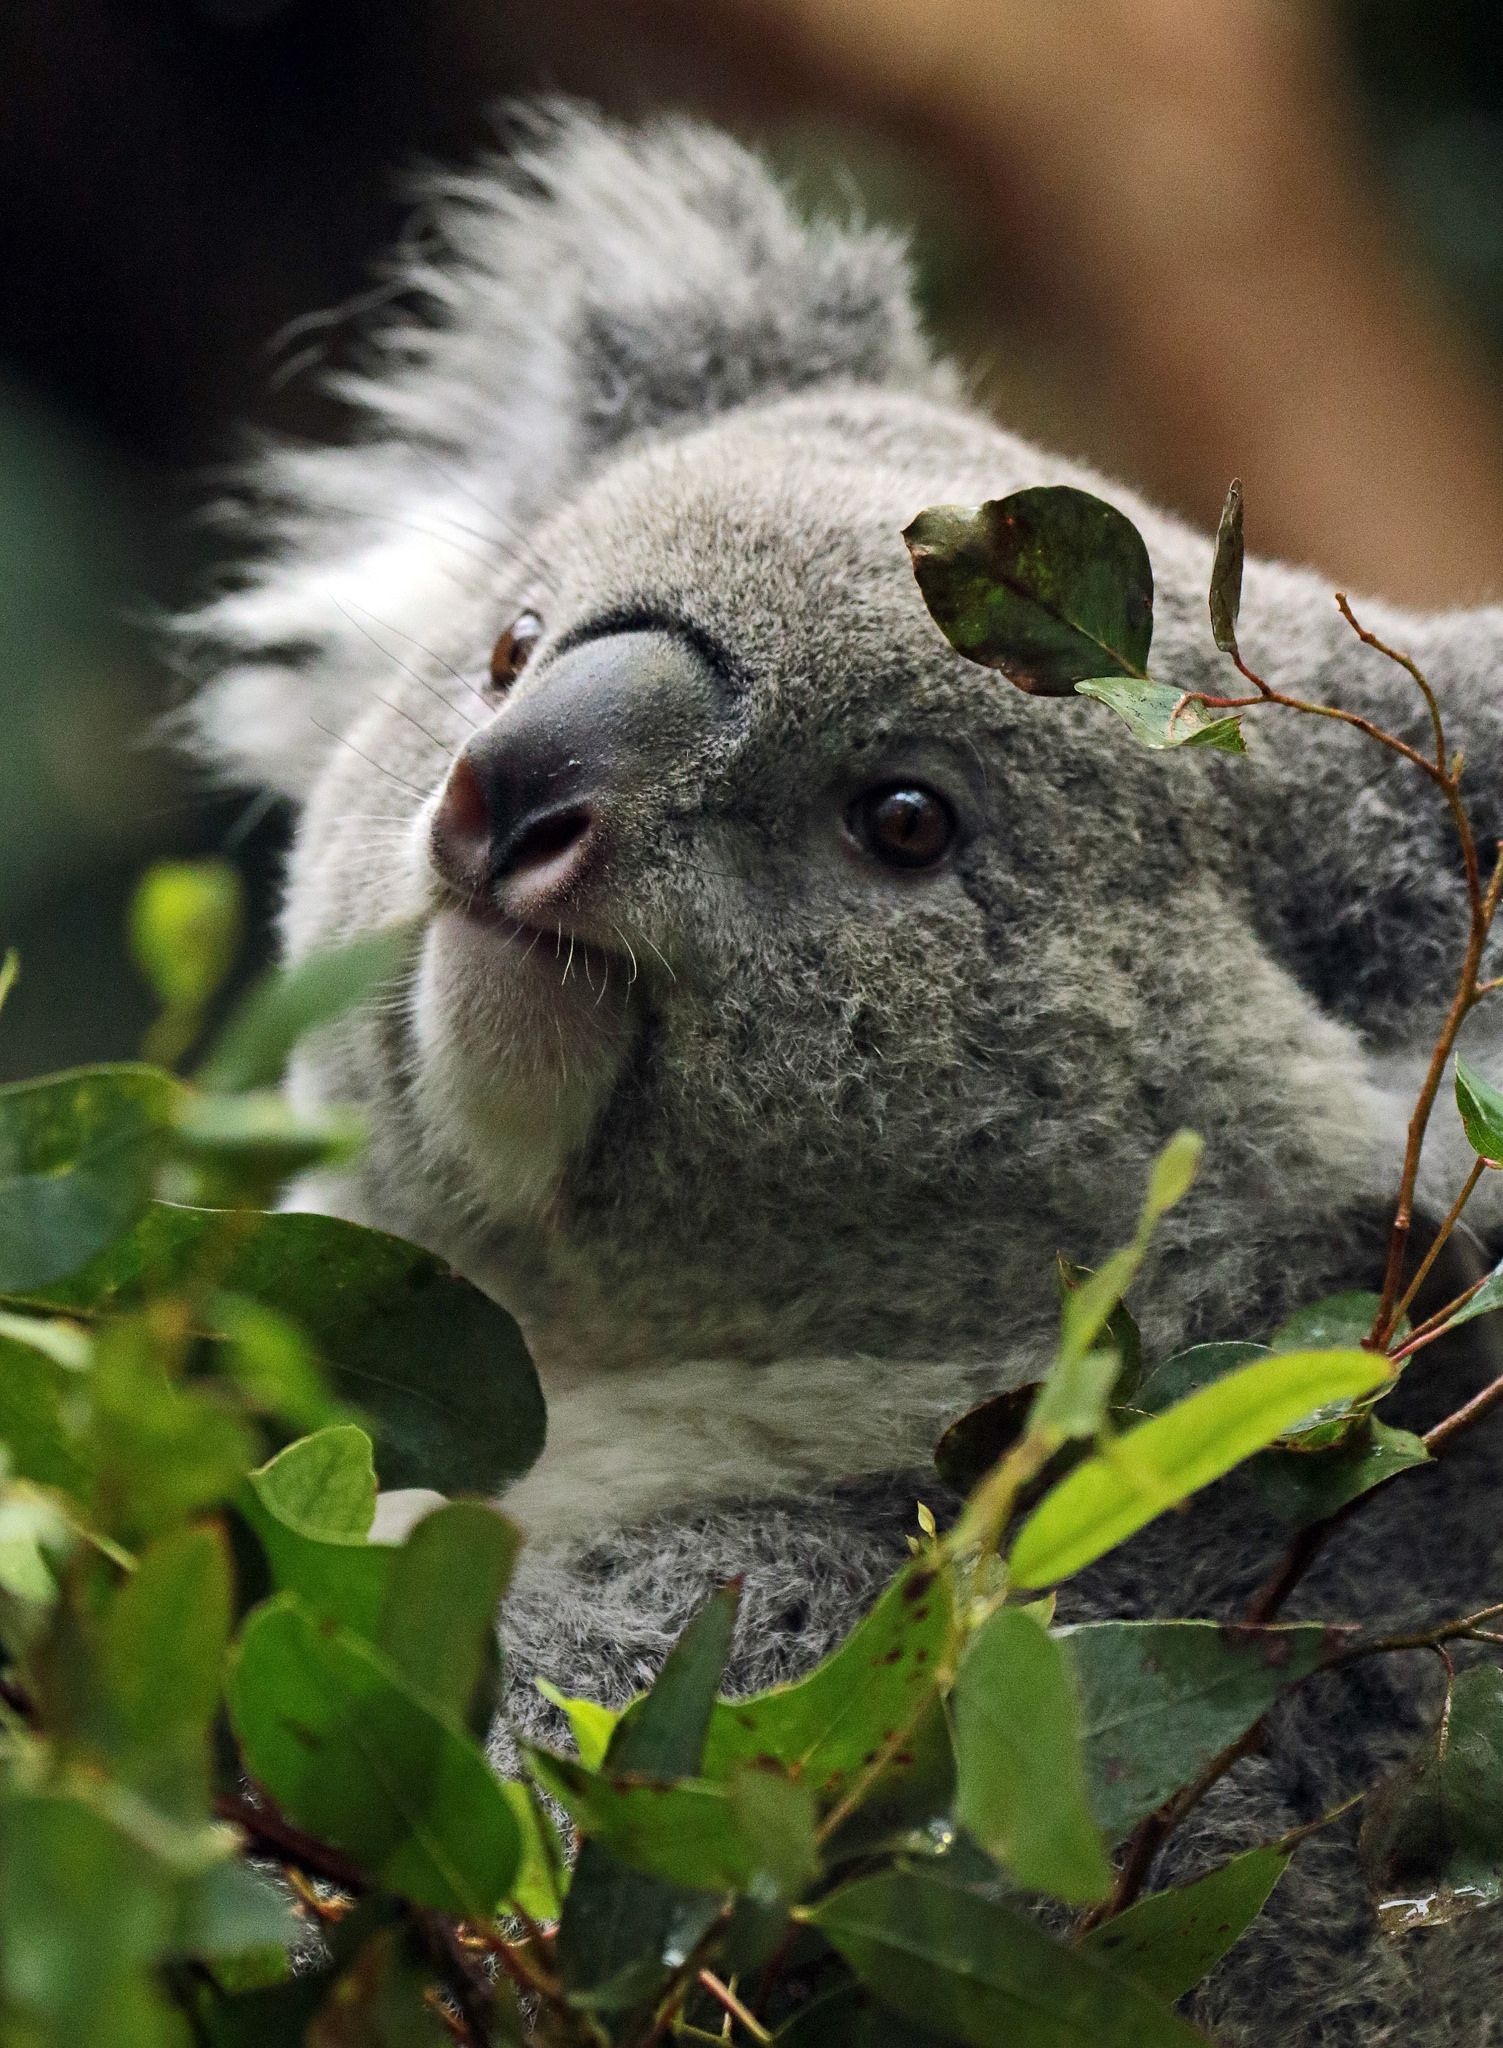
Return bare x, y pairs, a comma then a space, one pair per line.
533, 799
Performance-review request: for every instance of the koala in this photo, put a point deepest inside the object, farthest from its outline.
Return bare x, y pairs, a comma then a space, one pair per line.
787, 991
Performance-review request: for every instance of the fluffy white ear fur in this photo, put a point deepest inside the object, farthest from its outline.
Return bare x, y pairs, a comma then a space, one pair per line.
596, 284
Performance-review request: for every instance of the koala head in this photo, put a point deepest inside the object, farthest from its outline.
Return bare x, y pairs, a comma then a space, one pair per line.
783, 984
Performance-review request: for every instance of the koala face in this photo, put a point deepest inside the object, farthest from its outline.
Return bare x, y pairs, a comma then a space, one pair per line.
726, 866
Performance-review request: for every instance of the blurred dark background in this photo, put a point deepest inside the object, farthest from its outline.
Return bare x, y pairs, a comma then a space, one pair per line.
1182, 237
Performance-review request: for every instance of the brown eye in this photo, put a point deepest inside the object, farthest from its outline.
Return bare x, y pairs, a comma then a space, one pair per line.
513, 650
904, 827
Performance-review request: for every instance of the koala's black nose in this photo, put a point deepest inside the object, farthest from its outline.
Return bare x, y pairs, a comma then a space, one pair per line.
533, 799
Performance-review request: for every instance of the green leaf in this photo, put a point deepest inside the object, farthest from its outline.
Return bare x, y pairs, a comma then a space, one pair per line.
351, 1753
250, 1144
272, 1364
78, 1154
311, 1509
1481, 1107
1226, 571
438, 1617
1150, 1468
590, 1724
1432, 1834
1072, 1402
162, 1450
1159, 1699
1340, 1322
688, 1831
852, 2018
620, 1926
43, 1412
1051, 586
232, 1910
1488, 1297
1301, 1486
983, 1973
82, 1911
259, 1038
541, 1878
1172, 1939
185, 924
828, 1726
323, 1486
379, 2000
1022, 1791
1121, 1329
440, 1369
1160, 717
1188, 1371
162, 1655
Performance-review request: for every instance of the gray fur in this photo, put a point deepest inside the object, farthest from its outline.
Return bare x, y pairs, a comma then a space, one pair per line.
774, 1170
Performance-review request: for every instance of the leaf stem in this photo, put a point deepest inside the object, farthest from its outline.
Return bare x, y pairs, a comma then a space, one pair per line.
727, 1998
1452, 1218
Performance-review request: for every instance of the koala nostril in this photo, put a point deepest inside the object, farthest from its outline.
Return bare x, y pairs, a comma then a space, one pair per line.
545, 841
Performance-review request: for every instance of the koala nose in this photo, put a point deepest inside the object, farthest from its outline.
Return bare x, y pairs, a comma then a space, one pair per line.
531, 801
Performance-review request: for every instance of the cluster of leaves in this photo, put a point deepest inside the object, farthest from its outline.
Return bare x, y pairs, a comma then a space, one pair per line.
245, 1795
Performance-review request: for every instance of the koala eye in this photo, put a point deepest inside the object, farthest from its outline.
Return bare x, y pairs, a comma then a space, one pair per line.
513, 650
903, 826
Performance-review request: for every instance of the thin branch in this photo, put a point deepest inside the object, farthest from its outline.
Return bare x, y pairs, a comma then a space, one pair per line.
725, 1997
1404, 662
1452, 1218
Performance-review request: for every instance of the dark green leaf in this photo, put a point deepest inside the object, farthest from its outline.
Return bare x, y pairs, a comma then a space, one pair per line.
1481, 1107
835, 1722
1160, 1462
1022, 1791
350, 1752
1302, 1486
853, 2018
1488, 1297
983, 1973
1188, 1371
1052, 586
1432, 1834
78, 1154
1158, 1699
438, 1618
232, 1910
689, 1831
976, 1440
256, 1042
379, 2001
1172, 1939
1226, 571
440, 1369
1340, 1322
620, 1926
1159, 717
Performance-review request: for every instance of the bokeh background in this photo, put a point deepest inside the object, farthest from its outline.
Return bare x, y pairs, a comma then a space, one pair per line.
1185, 238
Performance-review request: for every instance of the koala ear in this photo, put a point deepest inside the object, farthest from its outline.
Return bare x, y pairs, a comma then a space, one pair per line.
596, 284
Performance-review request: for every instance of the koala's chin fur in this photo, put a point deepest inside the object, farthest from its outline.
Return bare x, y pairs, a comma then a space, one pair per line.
770, 1148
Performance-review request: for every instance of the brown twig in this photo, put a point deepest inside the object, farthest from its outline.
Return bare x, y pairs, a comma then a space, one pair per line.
279, 1838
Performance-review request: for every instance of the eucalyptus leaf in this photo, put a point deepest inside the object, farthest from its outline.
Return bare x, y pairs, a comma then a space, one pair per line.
1432, 1834
1138, 1475
311, 1508
983, 1973
834, 1722
350, 1752
1051, 585
1160, 717
43, 1417
1481, 1107
292, 1001
1021, 1781
620, 1926
162, 1651
440, 1370
1226, 571
78, 1156
438, 1612
1172, 1939
1158, 1699
1301, 1486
